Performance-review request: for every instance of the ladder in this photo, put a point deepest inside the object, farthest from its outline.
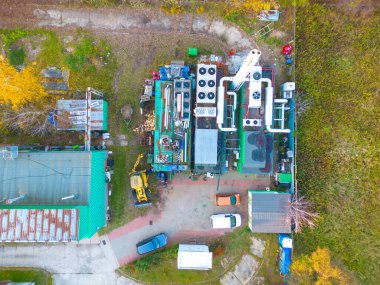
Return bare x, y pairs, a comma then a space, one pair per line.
264, 30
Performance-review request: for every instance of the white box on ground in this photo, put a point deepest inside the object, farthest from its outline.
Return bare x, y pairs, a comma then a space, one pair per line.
194, 257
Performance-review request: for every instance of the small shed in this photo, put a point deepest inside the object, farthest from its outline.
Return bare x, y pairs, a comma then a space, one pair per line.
268, 211
71, 115
194, 257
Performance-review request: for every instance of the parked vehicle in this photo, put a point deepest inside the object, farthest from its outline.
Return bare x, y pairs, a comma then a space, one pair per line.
225, 221
227, 199
152, 243
139, 185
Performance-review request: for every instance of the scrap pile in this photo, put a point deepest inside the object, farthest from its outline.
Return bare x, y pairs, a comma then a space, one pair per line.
146, 126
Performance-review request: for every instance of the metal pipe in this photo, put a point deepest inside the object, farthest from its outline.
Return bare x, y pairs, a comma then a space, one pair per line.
87, 135
252, 59
269, 109
232, 93
182, 100
12, 200
220, 105
185, 149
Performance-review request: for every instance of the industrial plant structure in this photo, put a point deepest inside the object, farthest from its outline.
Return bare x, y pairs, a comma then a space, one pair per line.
215, 117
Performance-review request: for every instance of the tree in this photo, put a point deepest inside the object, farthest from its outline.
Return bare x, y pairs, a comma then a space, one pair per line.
29, 119
251, 6
19, 88
301, 214
317, 269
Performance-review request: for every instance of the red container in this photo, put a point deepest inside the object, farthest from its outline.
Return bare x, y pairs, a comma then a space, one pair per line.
287, 49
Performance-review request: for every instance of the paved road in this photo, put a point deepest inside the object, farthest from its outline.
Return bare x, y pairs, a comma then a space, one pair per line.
183, 214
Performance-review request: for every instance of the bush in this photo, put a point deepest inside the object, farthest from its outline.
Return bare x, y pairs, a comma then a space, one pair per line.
11, 36
81, 55
172, 7
16, 57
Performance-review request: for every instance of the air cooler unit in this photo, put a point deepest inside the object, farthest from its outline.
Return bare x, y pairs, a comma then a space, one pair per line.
251, 122
206, 84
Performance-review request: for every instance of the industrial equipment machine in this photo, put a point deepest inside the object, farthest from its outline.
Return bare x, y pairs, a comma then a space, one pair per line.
139, 185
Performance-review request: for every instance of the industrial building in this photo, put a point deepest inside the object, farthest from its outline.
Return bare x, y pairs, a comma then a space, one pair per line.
51, 196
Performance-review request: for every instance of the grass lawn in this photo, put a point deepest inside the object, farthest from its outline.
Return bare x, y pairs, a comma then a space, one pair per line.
121, 202
25, 274
338, 136
161, 267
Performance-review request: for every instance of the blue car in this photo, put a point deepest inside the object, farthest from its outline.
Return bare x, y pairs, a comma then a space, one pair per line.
152, 244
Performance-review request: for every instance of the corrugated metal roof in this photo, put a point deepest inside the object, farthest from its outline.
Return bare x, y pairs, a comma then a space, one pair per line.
93, 216
45, 178
71, 114
23, 225
269, 212
206, 146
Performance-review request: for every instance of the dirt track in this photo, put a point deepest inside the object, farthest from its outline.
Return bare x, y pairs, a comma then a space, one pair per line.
118, 20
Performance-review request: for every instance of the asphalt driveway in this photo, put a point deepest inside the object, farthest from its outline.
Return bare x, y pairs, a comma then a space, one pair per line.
183, 213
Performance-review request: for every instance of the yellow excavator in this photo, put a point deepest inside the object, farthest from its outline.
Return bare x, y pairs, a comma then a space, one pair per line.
139, 185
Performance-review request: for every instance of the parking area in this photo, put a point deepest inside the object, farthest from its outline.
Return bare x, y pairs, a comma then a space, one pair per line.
183, 212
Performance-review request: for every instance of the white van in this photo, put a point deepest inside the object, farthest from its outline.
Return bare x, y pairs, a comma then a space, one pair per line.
225, 221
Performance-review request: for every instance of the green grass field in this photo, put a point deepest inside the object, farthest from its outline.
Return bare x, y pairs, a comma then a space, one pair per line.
338, 136
26, 274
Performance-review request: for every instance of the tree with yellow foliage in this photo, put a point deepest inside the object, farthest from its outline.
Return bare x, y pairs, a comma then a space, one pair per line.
252, 6
19, 88
317, 269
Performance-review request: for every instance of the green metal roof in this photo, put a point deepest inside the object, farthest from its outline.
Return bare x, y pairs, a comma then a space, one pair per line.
285, 178
105, 115
93, 217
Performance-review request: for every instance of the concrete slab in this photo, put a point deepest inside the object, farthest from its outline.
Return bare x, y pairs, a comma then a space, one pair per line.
257, 247
70, 263
229, 279
246, 268
257, 281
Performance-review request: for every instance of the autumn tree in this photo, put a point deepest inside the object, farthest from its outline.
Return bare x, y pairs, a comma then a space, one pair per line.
252, 6
18, 88
28, 119
317, 269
